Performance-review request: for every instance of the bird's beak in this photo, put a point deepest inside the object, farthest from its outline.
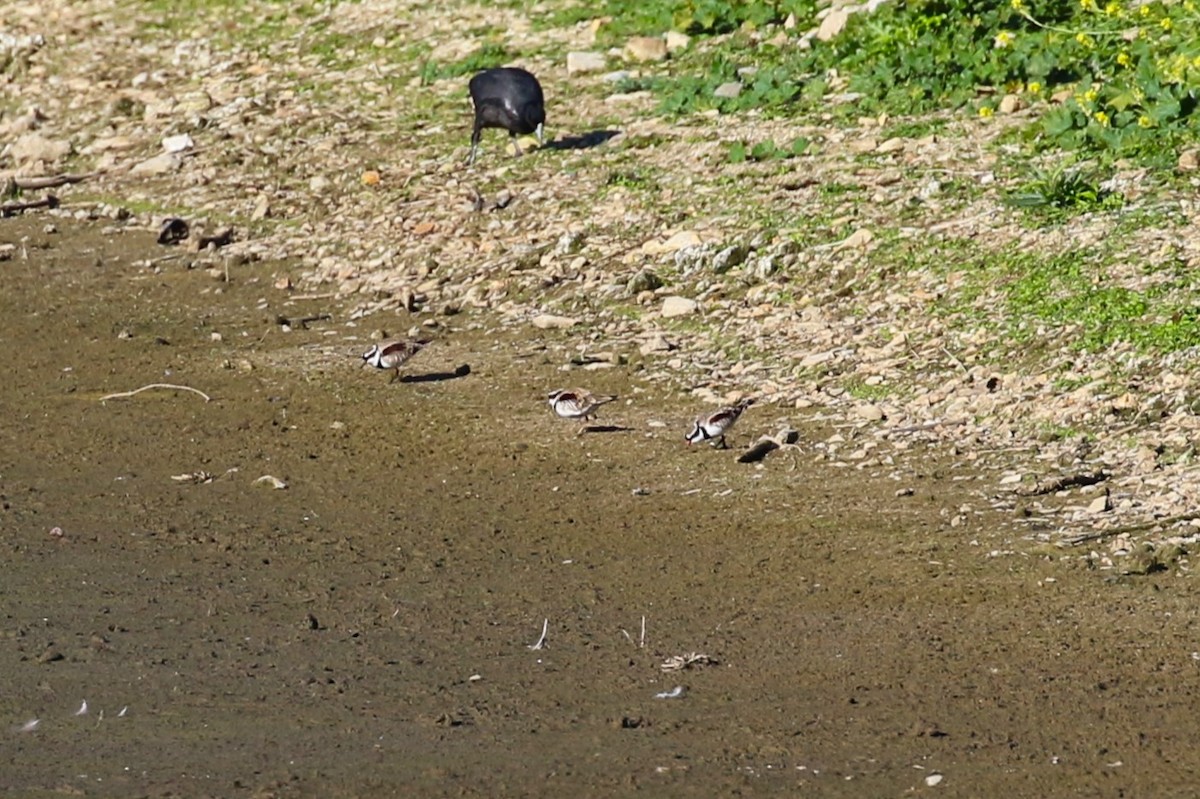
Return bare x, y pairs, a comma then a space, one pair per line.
541, 135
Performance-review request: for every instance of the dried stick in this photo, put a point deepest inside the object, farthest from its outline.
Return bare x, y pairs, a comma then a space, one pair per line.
12, 209
50, 182
541, 642
121, 394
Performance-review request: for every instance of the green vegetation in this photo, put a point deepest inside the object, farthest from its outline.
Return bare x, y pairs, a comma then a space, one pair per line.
491, 54
1124, 70
1033, 300
1064, 191
767, 150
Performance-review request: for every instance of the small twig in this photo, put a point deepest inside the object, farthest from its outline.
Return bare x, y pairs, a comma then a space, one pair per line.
172, 386
954, 358
1062, 483
303, 321
642, 640
12, 209
918, 428
51, 181
541, 642
1137, 527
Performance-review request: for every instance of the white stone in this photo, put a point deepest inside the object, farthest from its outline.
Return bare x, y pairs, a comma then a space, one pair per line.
158, 165
833, 24
31, 148
580, 62
547, 321
177, 144
678, 306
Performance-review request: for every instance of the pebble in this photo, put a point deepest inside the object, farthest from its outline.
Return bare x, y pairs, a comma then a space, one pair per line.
646, 48
33, 147
552, 322
728, 91
158, 165
678, 306
583, 62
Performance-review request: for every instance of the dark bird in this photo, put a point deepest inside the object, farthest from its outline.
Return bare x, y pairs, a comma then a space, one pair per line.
509, 98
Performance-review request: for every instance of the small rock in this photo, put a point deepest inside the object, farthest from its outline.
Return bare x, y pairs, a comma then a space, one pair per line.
196, 102
158, 165
684, 238
729, 257
319, 184
178, 144
646, 48
859, 238
579, 63
872, 413
728, 91
891, 145
690, 259
616, 77
833, 24
272, 481
1100, 504
677, 41
1189, 160
644, 280
262, 208
1010, 104
547, 321
678, 306
32, 147
656, 343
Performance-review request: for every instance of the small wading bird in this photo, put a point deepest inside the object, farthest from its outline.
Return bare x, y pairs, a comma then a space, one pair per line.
576, 403
393, 354
509, 98
713, 426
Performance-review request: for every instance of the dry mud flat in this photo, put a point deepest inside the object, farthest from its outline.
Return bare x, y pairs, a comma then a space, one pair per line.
366, 631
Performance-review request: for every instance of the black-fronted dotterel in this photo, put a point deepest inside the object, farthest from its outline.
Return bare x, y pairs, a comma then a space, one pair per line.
509, 98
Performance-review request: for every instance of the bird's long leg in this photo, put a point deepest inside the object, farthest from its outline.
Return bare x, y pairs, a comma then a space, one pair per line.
516, 145
721, 442
475, 136
395, 375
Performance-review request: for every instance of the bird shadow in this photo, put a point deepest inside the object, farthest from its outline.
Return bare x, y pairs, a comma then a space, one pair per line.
585, 142
437, 377
605, 428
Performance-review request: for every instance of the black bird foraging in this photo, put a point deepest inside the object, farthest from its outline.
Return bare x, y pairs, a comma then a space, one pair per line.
509, 98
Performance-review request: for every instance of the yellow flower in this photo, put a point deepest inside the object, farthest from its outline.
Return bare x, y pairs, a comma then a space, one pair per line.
1087, 5
1003, 39
1090, 95
1144, 10
986, 112
1112, 8
1101, 118
1034, 87
1165, 23
1017, 5
1085, 40
1144, 121
1196, 62
1123, 59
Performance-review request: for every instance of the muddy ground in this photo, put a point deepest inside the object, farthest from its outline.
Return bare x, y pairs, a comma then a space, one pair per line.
366, 631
